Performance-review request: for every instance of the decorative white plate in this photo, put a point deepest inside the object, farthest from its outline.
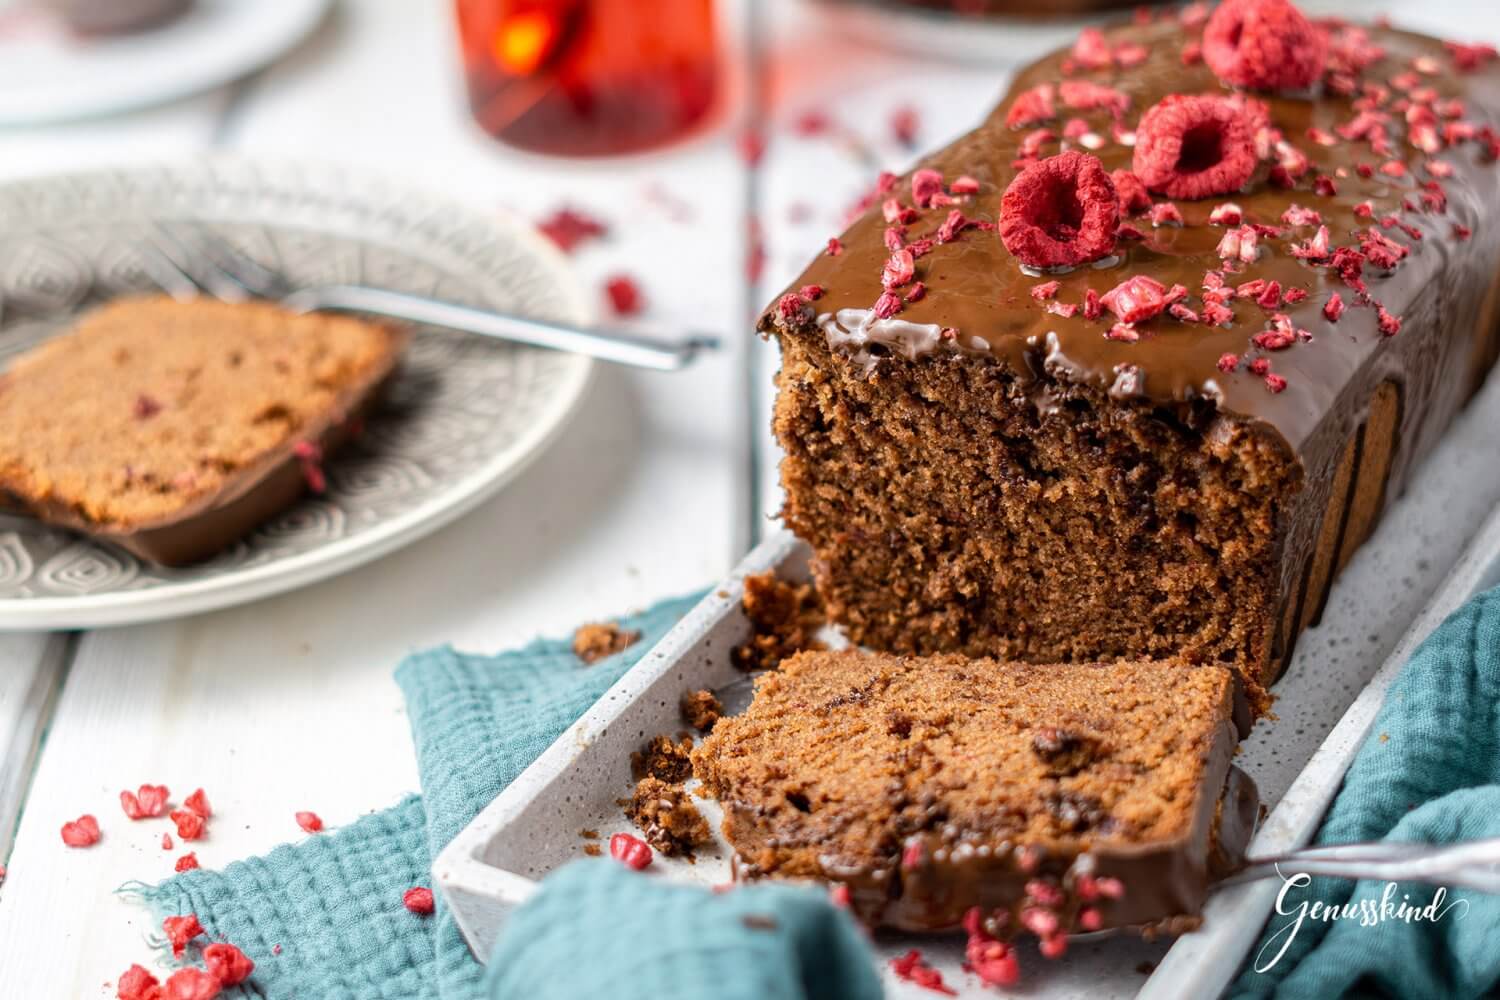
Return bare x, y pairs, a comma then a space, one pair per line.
48, 74
463, 415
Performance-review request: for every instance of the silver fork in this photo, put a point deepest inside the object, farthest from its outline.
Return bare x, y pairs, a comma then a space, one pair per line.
187, 266
1473, 864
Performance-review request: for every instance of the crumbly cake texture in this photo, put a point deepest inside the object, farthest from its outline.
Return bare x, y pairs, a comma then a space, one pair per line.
701, 709
152, 413
931, 786
784, 618
1172, 448
667, 816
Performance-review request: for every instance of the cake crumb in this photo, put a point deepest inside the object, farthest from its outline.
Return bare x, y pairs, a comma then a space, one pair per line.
668, 818
663, 759
596, 640
592, 850
785, 617
700, 709
588, 834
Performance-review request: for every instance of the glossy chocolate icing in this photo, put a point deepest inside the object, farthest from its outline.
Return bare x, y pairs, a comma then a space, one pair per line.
1413, 382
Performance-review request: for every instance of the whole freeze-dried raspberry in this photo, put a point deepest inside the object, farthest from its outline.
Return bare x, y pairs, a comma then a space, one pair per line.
1060, 211
1264, 45
1195, 147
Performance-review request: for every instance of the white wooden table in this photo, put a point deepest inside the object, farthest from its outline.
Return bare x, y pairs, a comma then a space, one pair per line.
657, 486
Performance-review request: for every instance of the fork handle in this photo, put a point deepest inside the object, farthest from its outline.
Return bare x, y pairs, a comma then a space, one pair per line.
1473, 864
621, 348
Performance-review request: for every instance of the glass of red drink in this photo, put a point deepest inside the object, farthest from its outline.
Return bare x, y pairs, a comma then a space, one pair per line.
588, 77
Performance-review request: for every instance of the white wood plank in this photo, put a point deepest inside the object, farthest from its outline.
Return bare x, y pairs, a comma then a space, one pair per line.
32, 668
289, 704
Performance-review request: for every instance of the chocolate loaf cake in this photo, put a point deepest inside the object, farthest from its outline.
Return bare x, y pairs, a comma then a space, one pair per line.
1052, 798
171, 429
1132, 369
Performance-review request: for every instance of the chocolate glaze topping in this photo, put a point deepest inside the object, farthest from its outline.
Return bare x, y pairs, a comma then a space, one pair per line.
980, 294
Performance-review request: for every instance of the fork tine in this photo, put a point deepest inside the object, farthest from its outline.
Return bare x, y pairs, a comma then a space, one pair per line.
239, 266
162, 267
206, 274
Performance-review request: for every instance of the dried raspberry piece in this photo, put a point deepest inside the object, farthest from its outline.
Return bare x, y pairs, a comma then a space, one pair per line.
989, 958
1195, 147
1166, 213
227, 964
1124, 332
914, 969
905, 121
310, 455
964, 185
1067, 310
190, 984
1060, 211
1091, 305
166, 842
916, 293
1136, 299
1091, 50
1053, 946
189, 824
1032, 107
568, 228
630, 851
839, 896
1134, 197
81, 832
1227, 364
136, 983
1226, 214
624, 295
1264, 45
1275, 382
310, 822
418, 899
835, 247
1046, 290
888, 305
198, 803
180, 930
954, 224
926, 184
1390, 324
1085, 95
1090, 919
186, 863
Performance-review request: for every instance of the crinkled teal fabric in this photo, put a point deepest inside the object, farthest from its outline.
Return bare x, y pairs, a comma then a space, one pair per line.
1430, 772
332, 903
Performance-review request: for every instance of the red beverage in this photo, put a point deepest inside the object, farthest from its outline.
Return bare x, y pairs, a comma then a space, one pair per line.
588, 77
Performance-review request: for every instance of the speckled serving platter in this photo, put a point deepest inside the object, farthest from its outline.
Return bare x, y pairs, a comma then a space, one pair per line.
1437, 546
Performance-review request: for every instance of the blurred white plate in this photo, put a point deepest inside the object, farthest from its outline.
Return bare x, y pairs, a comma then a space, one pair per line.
994, 40
48, 74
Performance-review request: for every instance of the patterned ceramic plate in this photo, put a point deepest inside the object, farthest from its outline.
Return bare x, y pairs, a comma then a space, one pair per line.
463, 415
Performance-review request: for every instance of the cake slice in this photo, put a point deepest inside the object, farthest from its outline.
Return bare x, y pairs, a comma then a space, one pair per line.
1056, 798
1132, 369
172, 429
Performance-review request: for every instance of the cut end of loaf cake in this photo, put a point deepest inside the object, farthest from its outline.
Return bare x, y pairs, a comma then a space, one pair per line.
151, 411
934, 785
951, 507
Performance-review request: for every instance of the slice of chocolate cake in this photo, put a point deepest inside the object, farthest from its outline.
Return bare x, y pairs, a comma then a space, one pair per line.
171, 429
1132, 369
1053, 799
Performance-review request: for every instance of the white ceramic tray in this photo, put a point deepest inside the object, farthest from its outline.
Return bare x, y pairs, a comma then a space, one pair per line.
1442, 538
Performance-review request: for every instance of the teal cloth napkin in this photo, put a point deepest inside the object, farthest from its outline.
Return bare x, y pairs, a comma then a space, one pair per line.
1430, 772
323, 918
